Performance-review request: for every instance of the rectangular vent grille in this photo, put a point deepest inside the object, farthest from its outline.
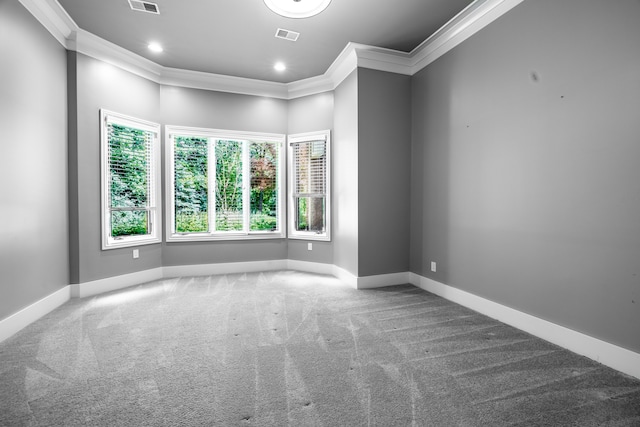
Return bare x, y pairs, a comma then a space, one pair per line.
287, 35
144, 6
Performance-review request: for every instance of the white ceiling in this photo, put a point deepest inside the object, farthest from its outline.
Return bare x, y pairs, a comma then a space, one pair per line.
236, 37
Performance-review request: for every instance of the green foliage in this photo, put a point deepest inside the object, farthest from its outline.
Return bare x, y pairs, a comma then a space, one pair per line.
228, 185
302, 214
192, 222
261, 222
191, 185
264, 195
128, 223
128, 179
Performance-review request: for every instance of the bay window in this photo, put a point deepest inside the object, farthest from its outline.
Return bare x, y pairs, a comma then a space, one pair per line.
224, 184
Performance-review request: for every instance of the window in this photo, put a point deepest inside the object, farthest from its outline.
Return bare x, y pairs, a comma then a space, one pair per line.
224, 185
309, 186
130, 154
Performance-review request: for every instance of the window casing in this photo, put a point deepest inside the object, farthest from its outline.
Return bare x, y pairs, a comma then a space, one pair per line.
130, 190
224, 185
309, 198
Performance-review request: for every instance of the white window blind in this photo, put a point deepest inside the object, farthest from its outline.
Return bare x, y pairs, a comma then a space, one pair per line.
310, 165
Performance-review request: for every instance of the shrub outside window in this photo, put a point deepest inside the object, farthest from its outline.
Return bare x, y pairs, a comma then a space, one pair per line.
309, 186
224, 185
130, 166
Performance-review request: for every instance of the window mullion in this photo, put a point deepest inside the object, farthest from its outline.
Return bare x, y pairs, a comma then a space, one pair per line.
211, 180
246, 186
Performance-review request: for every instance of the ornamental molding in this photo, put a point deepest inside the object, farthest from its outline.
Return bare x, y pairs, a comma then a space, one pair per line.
469, 21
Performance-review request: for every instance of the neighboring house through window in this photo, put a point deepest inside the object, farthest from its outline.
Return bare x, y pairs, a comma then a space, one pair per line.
310, 186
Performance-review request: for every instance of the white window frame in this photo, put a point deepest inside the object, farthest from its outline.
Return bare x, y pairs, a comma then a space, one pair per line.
154, 197
292, 232
213, 134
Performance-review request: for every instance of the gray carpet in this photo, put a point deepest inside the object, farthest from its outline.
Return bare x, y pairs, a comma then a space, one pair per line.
288, 348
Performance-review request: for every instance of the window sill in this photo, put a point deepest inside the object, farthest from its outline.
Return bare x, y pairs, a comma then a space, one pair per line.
197, 237
126, 242
310, 236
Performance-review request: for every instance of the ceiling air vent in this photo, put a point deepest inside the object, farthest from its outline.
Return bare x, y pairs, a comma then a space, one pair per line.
287, 35
144, 6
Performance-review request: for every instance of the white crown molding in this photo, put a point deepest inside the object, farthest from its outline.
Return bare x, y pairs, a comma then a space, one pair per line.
222, 83
53, 17
91, 45
469, 21
472, 19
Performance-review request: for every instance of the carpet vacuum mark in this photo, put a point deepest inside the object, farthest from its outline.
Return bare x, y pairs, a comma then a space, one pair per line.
288, 348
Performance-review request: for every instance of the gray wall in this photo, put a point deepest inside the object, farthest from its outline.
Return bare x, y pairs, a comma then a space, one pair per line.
33, 165
100, 85
308, 114
384, 160
345, 175
526, 142
218, 110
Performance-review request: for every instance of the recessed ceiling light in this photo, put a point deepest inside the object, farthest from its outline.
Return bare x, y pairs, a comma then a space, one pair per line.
280, 66
297, 8
155, 47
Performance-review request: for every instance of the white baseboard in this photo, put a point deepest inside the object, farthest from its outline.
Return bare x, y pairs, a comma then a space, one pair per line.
345, 276
33, 312
381, 280
223, 268
618, 358
309, 267
100, 286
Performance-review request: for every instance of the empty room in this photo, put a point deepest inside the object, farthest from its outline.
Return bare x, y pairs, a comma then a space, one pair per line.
320, 212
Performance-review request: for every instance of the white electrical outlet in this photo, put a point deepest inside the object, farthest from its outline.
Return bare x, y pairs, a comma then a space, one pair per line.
433, 266
309, 246
136, 253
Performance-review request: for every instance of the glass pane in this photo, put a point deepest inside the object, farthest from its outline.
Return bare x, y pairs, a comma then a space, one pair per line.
191, 184
310, 214
129, 166
264, 190
129, 223
228, 185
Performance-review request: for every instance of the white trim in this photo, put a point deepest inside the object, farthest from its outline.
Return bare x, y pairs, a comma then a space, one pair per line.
91, 45
310, 267
222, 83
223, 268
469, 21
608, 354
472, 19
618, 358
95, 287
170, 132
292, 233
154, 216
23, 318
382, 280
345, 276
54, 18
